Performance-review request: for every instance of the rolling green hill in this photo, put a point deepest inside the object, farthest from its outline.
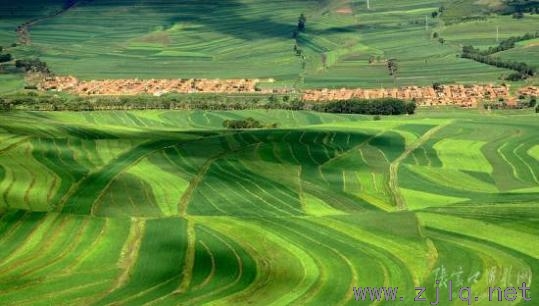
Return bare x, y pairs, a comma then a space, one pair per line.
168, 208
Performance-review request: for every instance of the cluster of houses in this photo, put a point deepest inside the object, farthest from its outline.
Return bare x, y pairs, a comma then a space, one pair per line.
461, 95
154, 87
454, 94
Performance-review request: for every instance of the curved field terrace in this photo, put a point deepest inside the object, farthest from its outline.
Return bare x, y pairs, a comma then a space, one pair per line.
167, 208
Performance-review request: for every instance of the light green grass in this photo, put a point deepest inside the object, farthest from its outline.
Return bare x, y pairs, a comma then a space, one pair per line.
462, 155
534, 152
418, 199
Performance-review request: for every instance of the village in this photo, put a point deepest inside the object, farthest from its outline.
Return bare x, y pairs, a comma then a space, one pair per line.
458, 95
439, 95
154, 87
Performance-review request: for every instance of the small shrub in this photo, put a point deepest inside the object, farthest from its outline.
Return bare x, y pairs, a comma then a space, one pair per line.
533, 101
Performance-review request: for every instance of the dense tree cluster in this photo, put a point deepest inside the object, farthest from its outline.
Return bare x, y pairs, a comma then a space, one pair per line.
388, 106
518, 7
248, 123
5, 57
33, 65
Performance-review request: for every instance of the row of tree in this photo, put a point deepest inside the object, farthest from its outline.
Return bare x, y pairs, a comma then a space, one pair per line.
37, 102
522, 69
387, 106
504, 45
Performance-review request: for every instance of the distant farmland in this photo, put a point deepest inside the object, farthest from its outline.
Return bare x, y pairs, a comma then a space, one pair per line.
344, 44
169, 208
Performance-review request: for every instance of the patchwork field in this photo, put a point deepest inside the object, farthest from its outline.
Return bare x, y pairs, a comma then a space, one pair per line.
103, 39
167, 208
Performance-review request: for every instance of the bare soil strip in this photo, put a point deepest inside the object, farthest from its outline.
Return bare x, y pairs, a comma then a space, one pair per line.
130, 252
23, 30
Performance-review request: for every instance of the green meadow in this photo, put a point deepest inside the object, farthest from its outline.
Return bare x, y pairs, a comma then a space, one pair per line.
253, 39
168, 208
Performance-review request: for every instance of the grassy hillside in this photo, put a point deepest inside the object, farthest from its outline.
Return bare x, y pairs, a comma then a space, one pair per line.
250, 38
169, 208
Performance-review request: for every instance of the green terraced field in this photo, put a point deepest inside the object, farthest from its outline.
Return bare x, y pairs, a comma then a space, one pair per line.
253, 39
166, 208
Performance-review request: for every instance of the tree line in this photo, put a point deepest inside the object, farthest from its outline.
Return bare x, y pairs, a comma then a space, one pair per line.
210, 102
386, 106
505, 44
523, 70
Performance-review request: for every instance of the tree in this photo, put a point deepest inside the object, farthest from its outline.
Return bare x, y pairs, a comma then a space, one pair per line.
302, 20
272, 99
518, 15
435, 35
434, 14
392, 67
298, 50
410, 108
5, 58
441, 40
437, 86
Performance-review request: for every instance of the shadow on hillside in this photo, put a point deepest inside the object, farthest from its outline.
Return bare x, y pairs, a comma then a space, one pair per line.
229, 17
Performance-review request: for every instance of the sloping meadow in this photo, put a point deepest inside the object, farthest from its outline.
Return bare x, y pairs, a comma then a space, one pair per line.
170, 208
